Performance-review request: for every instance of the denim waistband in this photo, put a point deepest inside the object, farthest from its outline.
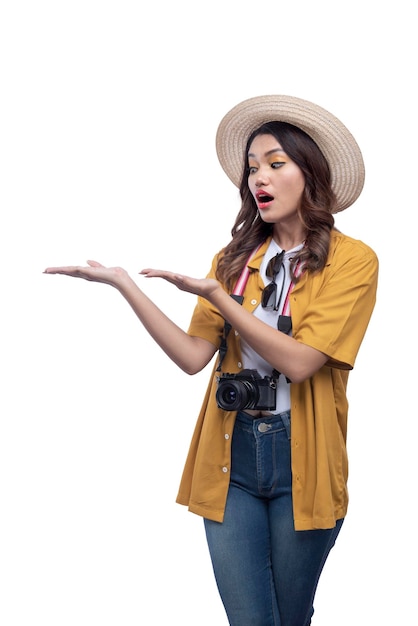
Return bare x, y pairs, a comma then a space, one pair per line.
273, 419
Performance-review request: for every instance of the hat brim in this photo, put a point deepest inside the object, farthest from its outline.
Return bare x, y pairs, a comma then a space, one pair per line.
334, 140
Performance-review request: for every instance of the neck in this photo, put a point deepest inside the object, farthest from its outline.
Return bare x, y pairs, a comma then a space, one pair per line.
289, 234
287, 241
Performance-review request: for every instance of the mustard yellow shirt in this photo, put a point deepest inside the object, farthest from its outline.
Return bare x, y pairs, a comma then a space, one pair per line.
330, 312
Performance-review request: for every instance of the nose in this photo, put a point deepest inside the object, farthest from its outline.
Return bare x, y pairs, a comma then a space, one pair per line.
261, 178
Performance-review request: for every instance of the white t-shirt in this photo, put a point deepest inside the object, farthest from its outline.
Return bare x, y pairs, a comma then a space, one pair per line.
250, 358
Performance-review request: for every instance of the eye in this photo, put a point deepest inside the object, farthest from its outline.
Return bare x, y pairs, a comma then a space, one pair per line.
252, 169
276, 164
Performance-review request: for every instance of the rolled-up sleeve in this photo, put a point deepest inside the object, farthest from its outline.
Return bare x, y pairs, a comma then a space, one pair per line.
341, 303
206, 321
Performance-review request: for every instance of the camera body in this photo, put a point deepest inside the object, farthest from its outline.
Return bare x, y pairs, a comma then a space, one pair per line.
246, 390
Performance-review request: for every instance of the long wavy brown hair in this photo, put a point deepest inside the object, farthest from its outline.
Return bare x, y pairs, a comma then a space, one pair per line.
318, 203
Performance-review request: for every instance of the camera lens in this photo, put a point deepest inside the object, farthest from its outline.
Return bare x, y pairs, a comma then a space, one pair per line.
229, 395
235, 395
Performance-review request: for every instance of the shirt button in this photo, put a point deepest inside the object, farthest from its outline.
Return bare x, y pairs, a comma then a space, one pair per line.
239, 364
224, 469
253, 301
226, 436
236, 333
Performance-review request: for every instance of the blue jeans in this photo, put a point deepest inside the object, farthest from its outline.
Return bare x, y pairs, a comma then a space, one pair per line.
267, 573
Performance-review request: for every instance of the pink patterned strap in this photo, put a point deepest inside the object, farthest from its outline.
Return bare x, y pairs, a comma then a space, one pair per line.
242, 280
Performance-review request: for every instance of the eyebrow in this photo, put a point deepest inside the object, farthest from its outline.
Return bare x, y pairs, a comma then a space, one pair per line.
251, 154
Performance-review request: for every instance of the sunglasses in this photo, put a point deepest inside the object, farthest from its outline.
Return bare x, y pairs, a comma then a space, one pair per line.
269, 299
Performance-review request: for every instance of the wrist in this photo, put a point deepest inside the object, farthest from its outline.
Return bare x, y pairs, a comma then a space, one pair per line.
218, 296
123, 282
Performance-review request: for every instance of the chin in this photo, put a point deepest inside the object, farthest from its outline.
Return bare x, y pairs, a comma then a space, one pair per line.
267, 219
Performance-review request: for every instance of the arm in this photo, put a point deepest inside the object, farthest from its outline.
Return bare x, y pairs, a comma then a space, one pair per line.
331, 328
191, 354
295, 360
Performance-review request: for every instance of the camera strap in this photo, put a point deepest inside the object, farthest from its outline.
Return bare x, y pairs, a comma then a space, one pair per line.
284, 323
237, 295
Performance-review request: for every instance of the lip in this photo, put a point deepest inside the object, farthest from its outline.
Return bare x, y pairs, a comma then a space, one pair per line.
263, 204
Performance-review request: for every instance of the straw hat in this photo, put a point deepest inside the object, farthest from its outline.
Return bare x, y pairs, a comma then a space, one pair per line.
331, 136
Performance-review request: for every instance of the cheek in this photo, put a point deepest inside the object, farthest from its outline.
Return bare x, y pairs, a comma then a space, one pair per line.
302, 181
296, 184
301, 189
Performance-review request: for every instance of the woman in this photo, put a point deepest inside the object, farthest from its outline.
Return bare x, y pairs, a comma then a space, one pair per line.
267, 465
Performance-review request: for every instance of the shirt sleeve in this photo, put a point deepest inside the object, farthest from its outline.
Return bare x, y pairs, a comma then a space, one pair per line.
206, 321
337, 316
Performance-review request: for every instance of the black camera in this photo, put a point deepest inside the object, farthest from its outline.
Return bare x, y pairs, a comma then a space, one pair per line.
246, 390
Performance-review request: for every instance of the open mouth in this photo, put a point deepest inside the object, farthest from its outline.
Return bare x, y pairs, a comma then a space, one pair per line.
263, 199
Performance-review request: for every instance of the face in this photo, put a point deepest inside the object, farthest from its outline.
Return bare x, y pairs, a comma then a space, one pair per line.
275, 181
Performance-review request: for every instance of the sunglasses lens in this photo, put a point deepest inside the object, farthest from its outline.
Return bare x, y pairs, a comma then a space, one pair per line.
268, 297
274, 265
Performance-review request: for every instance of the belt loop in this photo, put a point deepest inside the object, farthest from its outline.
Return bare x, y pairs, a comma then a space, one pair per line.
286, 422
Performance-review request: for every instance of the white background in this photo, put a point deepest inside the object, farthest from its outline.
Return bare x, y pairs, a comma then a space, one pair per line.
108, 115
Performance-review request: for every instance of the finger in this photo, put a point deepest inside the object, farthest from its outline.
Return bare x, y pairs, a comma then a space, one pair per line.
175, 279
159, 273
69, 269
151, 273
148, 271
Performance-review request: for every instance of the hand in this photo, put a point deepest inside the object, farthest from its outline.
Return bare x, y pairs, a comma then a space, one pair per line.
94, 271
204, 287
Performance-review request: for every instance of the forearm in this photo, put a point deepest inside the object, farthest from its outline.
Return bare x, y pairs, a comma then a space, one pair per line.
290, 357
191, 354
